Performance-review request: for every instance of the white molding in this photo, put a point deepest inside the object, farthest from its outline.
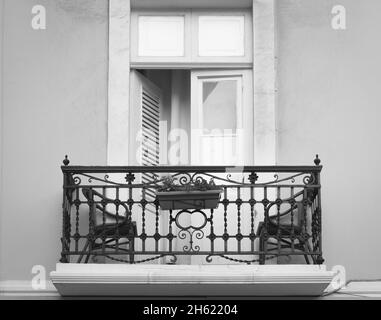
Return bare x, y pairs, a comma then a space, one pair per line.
24, 288
369, 289
264, 82
190, 280
184, 4
119, 82
191, 39
191, 65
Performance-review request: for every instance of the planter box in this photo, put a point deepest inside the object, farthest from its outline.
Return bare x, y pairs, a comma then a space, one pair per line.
170, 200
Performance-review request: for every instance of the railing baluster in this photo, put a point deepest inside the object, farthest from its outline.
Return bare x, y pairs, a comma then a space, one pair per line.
117, 199
170, 229
91, 236
225, 236
252, 208
239, 235
279, 231
157, 235
292, 236
212, 235
305, 205
319, 259
77, 203
143, 235
266, 218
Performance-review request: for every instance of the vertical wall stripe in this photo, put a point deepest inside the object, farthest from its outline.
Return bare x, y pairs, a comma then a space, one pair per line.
2, 25
264, 82
119, 82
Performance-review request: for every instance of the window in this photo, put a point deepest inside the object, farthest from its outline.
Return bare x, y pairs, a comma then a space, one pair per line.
221, 36
191, 37
161, 36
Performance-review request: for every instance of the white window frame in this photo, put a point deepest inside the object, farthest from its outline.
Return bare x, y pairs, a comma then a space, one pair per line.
244, 101
264, 57
144, 61
238, 78
177, 24
245, 60
191, 58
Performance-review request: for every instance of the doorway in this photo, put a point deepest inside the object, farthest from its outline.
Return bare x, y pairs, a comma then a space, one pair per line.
206, 115
206, 118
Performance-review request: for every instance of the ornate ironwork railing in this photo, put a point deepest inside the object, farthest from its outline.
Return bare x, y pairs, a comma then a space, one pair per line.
208, 214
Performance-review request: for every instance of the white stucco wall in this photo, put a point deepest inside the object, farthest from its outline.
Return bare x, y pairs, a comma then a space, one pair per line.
54, 102
329, 103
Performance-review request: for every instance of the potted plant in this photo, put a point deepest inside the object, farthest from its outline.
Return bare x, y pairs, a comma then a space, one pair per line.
198, 194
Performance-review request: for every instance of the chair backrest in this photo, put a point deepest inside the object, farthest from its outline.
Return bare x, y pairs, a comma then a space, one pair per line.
298, 214
98, 211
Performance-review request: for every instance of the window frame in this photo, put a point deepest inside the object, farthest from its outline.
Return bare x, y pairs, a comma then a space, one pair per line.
191, 58
139, 61
264, 73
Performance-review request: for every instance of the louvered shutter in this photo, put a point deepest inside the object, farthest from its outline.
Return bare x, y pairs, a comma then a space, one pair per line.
151, 137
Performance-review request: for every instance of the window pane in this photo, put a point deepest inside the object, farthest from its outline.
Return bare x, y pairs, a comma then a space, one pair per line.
221, 36
161, 36
220, 105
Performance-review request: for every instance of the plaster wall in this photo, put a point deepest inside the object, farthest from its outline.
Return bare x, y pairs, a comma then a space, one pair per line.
54, 103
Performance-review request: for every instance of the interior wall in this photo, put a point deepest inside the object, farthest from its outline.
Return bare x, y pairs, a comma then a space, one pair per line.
54, 103
329, 103
181, 108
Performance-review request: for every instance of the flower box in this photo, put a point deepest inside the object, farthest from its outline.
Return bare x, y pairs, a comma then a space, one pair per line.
195, 194
178, 200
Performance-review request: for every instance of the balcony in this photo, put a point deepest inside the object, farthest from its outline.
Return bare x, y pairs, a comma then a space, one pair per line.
206, 222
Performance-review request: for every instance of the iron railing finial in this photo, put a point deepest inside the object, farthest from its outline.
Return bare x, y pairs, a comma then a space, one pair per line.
317, 160
66, 161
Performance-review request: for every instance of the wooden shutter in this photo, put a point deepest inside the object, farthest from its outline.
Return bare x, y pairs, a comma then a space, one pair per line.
151, 134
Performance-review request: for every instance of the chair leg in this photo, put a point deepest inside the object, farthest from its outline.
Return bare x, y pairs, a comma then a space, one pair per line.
89, 254
309, 249
262, 257
84, 249
305, 247
132, 249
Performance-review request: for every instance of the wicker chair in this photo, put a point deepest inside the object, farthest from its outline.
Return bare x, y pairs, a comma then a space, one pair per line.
285, 231
106, 228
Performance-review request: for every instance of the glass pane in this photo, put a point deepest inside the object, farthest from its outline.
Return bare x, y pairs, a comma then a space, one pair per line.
220, 105
161, 36
221, 36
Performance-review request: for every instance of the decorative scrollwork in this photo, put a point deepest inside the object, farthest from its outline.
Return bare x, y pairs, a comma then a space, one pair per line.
173, 259
77, 180
199, 234
185, 179
191, 226
191, 232
309, 179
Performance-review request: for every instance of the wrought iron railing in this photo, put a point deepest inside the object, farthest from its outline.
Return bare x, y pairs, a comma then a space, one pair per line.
238, 214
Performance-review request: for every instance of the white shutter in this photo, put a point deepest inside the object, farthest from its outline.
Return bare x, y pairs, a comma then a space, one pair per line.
151, 135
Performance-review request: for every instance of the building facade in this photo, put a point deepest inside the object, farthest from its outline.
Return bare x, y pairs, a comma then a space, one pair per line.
300, 86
